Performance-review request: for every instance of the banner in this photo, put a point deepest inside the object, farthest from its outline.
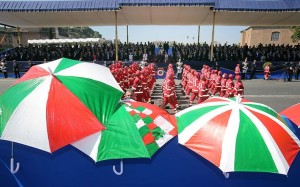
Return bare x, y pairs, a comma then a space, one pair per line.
160, 73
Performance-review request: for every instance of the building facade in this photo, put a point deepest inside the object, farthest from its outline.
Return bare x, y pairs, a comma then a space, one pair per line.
277, 35
9, 37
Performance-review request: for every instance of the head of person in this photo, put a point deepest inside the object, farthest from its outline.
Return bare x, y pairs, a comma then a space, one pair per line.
129, 94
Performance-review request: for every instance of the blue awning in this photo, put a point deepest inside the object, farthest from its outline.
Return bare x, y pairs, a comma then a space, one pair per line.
166, 2
55, 6
96, 5
149, 12
257, 5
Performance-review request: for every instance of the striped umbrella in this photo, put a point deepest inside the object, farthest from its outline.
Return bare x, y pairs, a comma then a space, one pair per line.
293, 113
238, 135
135, 130
57, 103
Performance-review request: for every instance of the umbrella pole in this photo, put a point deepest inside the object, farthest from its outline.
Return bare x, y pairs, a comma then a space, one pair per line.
121, 168
12, 170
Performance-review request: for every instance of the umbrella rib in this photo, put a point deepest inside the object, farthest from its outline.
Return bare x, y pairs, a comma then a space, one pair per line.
288, 130
279, 160
202, 105
229, 142
199, 123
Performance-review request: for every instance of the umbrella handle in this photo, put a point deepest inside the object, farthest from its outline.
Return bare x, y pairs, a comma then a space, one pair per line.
226, 175
12, 170
121, 168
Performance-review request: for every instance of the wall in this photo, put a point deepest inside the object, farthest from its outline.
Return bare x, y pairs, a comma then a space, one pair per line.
255, 35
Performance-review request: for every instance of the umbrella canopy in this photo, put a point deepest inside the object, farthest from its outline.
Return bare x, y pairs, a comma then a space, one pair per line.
238, 135
57, 103
293, 113
136, 130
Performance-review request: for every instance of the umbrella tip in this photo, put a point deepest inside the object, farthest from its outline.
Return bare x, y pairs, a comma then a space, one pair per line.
226, 175
238, 98
50, 70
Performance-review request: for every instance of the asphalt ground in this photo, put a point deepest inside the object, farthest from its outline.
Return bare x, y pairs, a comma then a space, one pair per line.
275, 93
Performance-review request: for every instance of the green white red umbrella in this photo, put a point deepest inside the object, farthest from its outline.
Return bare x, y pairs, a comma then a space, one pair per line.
238, 135
57, 103
293, 113
136, 130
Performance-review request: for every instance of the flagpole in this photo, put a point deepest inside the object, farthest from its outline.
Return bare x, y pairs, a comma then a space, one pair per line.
199, 34
127, 33
116, 35
212, 38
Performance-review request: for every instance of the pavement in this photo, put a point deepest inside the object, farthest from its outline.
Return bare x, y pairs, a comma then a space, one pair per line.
277, 94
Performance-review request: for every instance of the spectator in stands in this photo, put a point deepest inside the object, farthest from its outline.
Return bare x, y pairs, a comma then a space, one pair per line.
16, 69
179, 65
3, 68
130, 57
244, 69
191, 52
253, 70
297, 71
290, 71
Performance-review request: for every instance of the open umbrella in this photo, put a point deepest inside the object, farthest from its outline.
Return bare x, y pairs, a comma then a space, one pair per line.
238, 135
293, 113
57, 103
136, 130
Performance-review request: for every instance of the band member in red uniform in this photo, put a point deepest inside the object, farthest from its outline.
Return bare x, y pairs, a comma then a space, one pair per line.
223, 85
203, 89
217, 85
189, 85
229, 86
267, 72
184, 76
195, 87
125, 78
237, 70
238, 87
169, 92
137, 87
144, 79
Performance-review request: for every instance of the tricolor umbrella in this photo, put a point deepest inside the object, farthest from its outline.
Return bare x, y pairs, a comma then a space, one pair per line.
238, 135
135, 130
293, 113
57, 103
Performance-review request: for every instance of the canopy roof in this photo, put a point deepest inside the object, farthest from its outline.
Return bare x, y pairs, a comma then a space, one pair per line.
150, 12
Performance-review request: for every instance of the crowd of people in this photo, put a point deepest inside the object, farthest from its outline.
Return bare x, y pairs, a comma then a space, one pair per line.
137, 81
210, 82
155, 52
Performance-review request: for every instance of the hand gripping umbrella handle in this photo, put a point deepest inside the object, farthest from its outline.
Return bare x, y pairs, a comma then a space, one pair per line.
12, 170
121, 168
